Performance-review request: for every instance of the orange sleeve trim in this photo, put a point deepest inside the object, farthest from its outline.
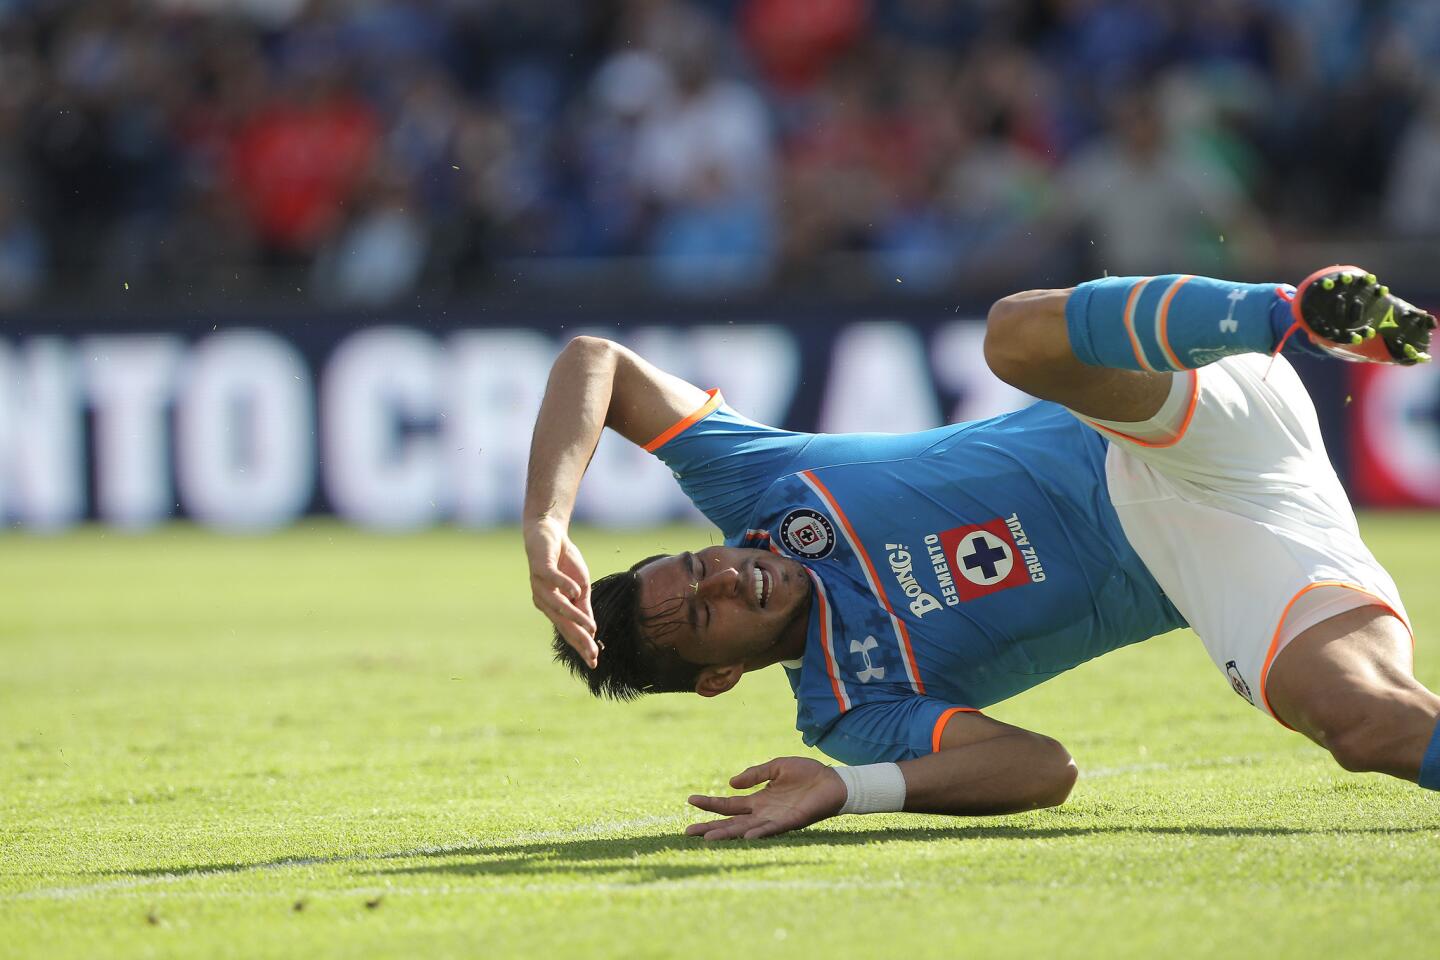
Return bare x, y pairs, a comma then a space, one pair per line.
940, 725
1164, 324
1129, 317
688, 422
1275, 638
1184, 424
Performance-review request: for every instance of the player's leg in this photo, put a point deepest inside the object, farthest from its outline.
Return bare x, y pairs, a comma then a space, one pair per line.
1242, 521
1348, 684
1027, 346
1107, 348
1250, 564
1291, 606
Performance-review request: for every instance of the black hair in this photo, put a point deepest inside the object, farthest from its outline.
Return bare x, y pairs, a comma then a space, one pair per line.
632, 662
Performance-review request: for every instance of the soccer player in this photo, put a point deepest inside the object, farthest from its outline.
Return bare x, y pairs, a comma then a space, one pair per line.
1174, 476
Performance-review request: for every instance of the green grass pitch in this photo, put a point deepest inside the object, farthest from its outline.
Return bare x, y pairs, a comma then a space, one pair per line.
325, 743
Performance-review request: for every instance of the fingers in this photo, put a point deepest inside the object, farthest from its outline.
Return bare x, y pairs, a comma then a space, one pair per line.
732, 831
572, 612
568, 588
583, 605
560, 588
558, 580
766, 828
735, 828
554, 603
574, 624
580, 636
582, 642
566, 601
701, 829
555, 562
758, 774
572, 565
728, 806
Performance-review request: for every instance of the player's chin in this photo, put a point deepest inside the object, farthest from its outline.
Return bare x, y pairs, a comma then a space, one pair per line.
792, 584
784, 607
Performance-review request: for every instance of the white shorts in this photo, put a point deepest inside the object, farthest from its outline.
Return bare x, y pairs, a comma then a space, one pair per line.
1228, 496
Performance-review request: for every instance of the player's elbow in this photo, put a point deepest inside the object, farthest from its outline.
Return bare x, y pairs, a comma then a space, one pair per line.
1025, 335
589, 346
584, 356
1056, 775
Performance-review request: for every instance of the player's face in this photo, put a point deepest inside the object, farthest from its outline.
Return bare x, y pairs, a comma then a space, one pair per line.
728, 605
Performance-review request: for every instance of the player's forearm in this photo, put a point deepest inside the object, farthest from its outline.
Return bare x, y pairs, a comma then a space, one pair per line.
1006, 774
572, 417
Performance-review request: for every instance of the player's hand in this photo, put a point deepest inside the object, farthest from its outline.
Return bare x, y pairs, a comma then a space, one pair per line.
560, 585
799, 792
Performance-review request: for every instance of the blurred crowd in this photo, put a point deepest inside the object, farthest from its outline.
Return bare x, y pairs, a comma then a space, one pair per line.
365, 151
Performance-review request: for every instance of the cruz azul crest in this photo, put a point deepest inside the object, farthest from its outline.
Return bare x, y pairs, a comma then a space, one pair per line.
808, 534
991, 556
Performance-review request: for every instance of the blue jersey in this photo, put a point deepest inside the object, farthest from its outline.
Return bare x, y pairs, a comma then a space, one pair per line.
952, 568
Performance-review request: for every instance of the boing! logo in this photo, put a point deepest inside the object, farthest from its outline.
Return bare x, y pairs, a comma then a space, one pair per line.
863, 647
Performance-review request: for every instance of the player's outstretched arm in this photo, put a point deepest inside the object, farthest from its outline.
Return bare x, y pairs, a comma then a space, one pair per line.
983, 767
593, 384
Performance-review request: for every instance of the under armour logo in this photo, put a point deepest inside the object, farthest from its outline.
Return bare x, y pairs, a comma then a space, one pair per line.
1230, 324
863, 647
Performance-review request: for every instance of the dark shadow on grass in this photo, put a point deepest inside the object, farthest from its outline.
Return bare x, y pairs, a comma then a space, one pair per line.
625, 857
626, 847
615, 861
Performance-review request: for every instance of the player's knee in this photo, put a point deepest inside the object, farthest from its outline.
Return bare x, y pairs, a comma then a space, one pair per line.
1024, 333
1355, 750
1062, 776
1366, 745
1065, 782
1003, 333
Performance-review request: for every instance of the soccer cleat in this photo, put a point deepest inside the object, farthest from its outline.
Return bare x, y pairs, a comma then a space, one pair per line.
1347, 312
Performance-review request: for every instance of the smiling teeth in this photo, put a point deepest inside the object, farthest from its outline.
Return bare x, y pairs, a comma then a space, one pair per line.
759, 579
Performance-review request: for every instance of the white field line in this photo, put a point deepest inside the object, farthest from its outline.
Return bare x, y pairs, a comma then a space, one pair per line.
529, 836
1100, 773
135, 891
536, 836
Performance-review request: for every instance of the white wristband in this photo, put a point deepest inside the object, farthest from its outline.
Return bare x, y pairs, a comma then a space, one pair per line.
873, 788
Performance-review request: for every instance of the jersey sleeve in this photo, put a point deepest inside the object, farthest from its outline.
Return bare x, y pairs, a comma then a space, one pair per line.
725, 461
889, 730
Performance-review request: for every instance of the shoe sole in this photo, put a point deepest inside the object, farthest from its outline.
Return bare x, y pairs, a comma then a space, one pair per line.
1365, 344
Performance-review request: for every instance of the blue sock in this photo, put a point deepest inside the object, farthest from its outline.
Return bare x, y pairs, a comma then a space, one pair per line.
1174, 322
1430, 764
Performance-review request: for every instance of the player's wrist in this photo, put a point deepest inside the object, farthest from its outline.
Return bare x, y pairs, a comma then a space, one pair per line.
544, 535
546, 522
872, 788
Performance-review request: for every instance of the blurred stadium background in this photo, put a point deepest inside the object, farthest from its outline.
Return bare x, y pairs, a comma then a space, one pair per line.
265, 258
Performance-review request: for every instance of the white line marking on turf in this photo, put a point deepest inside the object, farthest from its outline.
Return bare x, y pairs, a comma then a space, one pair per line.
1100, 773
699, 883
472, 845
476, 844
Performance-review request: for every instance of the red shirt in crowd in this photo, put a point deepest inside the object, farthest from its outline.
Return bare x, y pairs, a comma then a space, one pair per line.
296, 165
